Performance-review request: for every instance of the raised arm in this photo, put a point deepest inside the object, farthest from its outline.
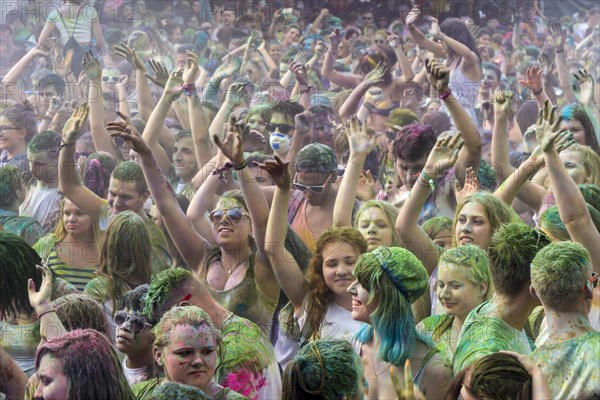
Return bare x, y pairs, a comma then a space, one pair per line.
286, 269
534, 83
191, 246
469, 58
500, 148
14, 74
327, 70
442, 157
419, 37
361, 144
102, 140
403, 61
50, 325
68, 178
233, 98
558, 37
351, 104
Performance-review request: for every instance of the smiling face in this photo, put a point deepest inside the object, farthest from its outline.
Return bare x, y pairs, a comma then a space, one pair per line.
457, 294
275, 52
361, 307
54, 384
184, 158
574, 165
339, 259
473, 226
124, 196
375, 227
190, 357
227, 232
76, 221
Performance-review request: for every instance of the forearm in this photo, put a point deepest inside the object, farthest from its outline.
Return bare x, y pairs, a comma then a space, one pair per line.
570, 201
180, 107
430, 45
68, 177
344, 202
470, 154
211, 91
202, 199
351, 104
202, 142
286, 79
460, 49
123, 104
500, 148
563, 77
14, 74
404, 63
145, 105
512, 185
345, 80
156, 120
267, 58
222, 117
50, 325
257, 204
102, 141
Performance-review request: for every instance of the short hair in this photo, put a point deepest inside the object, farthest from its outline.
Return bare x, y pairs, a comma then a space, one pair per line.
183, 48
288, 108
493, 67
45, 141
472, 261
414, 141
134, 299
435, 225
129, 171
80, 311
511, 251
23, 117
437, 120
558, 273
10, 182
51, 80
184, 133
166, 290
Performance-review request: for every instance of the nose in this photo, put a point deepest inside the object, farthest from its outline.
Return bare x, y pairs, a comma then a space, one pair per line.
466, 227
444, 293
372, 229
197, 361
39, 391
352, 288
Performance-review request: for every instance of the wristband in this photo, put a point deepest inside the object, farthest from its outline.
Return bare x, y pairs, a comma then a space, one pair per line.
189, 89
559, 50
430, 181
47, 118
63, 145
444, 96
46, 312
538, 92
240, 166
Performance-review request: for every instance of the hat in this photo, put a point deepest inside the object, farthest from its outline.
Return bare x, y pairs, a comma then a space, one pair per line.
316, 158
400, 117
404, 269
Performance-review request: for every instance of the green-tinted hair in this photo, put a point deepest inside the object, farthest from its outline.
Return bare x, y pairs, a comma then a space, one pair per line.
264, 110
591, 194
10, 182
558, 273
125, 255
45, 141
550, 222
511, 251
17, 265
474, 264
391, 213
129, 171
166, 290
175, 390
79, 311
323, 369
435, 225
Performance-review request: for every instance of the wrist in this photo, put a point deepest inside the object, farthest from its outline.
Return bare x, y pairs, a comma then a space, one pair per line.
538, 92
559, 50
444, 94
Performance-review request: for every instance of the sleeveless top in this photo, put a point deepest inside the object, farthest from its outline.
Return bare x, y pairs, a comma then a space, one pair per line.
79, 24
465, 91
246, 299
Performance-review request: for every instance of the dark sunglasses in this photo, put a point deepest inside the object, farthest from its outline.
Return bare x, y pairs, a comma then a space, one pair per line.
138, 323
283, 128
114, 78
235, 215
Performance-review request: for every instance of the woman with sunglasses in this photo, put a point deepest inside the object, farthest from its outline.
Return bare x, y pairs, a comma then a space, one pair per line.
236, 270
320, 303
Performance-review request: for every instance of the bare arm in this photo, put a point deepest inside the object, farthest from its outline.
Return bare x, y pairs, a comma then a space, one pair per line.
500, 150
14, 74
14, 380
558, 37
327, 70
46, 32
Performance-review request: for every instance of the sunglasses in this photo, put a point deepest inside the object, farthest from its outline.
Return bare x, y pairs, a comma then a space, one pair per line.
115, 79
304, 188
235, 215
283, 128
138, 323
4, 129
593, 280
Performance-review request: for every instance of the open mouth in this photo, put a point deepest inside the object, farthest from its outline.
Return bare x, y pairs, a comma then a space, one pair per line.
466, 239
356, 303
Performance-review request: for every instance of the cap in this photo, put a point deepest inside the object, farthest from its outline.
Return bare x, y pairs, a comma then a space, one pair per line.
316, 158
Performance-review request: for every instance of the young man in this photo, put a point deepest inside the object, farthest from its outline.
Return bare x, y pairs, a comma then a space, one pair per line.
561, 277
185, 164
499, 323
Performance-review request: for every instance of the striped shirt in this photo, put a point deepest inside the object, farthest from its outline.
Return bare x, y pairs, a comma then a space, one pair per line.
78, 277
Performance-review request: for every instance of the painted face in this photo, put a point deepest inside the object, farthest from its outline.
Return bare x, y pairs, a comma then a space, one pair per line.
128, 339
43, 167
54, 385
361, 307
256, 122
575, 127
282, 119
443, 238
190, 357
339, 259
124, 196
11, 137
473, 226
227, 232
375, 227
75, 221
409, 171
184, 158
457, 294
314, 179
574, 165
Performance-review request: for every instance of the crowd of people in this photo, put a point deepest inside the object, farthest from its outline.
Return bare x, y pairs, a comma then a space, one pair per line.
340, 199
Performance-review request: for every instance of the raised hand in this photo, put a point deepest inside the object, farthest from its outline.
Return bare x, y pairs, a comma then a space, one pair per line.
367, 187
393, 40
303, 123
412, 17
502, 103
560, 141
435, 27
55, 105
40, 300
376, 75
408, 391
545, 64
534, 80
557, 34
335, 39
301, 57
584, 89
299, 71
374, 95
161, 75
190, 71
320, 48
92, 67
232, 147
62, 65
443, 155
360, 140
278, 170
173, 87
547, 122
235, 94
127, 131
228, 68
75, 124
131, 56
40, 51
471, 185
438, 76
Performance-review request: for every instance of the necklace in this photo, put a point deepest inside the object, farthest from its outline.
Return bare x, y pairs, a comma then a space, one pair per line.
375, 373
229, 270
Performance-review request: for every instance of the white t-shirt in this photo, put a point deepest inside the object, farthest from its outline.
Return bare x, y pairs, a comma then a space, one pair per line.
43, 205
133, 375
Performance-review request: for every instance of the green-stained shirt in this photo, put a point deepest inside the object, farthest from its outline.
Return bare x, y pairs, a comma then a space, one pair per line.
482, 335
145, 390
430, 327
572, 367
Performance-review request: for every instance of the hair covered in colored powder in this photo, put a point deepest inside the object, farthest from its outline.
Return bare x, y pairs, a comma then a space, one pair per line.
179, 391
98, 168
436, 225
558, 274
126, 254
45, 141
413, 142
90, 364
323, 369
79, 311
390, 212
591, 194
164, 290
129, 171
17, 265
10, 182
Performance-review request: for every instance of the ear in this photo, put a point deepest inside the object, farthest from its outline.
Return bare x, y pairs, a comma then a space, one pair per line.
144, 196
157, 354
589, 291
483, 289
532, 292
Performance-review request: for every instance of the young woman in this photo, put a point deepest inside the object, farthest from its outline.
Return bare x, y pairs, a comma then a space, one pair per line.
187, 346
17, 127
70, 367
321, 305
73, 250
388, 280
463, 282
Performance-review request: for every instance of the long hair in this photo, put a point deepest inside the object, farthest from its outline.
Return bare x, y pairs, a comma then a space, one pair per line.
79, 311
90, 364
319, 295
577, 111
125, 255
96, 175
61, 231
324, 369
390, 212
457, 30
495, 211
17, 265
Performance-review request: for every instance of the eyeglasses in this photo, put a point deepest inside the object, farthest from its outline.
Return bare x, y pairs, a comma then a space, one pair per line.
379, 41
283, 128
115, 79
235, 215
4, 129
138, 323
304, 188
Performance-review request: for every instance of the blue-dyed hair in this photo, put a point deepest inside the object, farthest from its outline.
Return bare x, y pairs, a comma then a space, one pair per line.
576, 111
